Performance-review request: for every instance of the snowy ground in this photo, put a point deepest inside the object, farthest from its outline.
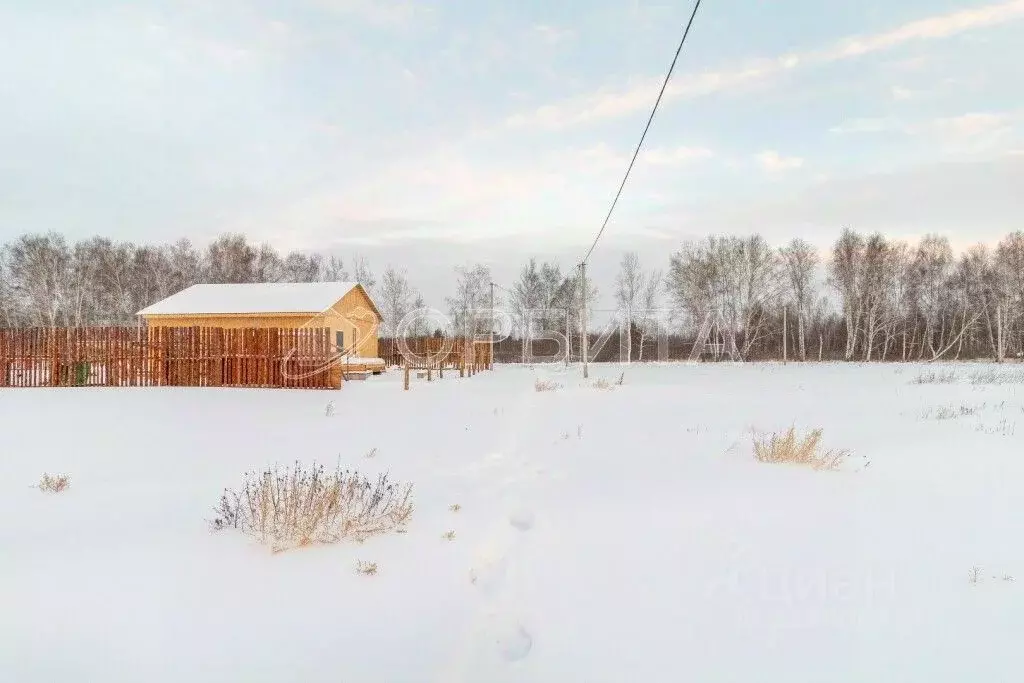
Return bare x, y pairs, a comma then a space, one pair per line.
604, 536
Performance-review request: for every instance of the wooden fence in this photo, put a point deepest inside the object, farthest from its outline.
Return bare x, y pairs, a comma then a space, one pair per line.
167, 356
437, 352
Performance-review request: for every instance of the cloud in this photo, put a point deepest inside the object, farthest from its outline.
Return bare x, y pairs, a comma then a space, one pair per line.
975, 200
867, 125
932, 28
387, 13
971, 125
773, 162
901, 94
610, 103
676, 156
553, 35
971, 133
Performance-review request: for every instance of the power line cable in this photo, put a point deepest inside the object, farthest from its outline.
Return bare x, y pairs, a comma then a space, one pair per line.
636, 153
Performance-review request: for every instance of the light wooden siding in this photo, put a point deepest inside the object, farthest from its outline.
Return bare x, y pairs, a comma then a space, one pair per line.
353, 313
229, 321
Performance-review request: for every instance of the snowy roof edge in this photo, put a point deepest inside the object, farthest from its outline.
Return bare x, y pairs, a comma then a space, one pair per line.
254, 298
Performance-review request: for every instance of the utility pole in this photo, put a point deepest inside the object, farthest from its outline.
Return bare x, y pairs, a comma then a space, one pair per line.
568, 338
583, 318
490, 326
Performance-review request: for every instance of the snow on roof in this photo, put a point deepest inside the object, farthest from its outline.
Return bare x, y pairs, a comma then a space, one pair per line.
269, 297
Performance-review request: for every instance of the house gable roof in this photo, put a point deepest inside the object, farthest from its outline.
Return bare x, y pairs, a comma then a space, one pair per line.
262, 297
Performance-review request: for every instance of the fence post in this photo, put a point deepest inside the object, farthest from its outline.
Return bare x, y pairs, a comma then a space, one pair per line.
405, 379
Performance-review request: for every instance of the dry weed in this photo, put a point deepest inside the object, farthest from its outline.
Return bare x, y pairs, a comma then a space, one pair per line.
546, 385
55, 484
792, 449
454, 507
602, 384
622, 379
298, 507
449, 535
934, 377
974, 576
997, 377
366, 568
951, 412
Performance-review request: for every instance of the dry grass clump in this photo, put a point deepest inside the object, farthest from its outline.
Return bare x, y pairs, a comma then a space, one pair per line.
55, 484
455, 507
449, 535
951, 412
287, 508
997, 377
934, 377
546, 385
366, 568
603, 384
792, 449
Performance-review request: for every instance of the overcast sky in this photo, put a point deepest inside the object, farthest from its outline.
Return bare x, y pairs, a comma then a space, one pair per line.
425, 134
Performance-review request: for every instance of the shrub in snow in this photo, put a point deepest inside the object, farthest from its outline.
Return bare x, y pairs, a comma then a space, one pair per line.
295, 507
329, 410
947, 377
546, 385
790, 448
449, 535
56, 484
602, 384
997, 377
366, 568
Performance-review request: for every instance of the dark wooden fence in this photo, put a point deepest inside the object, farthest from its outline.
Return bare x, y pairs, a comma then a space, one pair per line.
438, 352
167, 356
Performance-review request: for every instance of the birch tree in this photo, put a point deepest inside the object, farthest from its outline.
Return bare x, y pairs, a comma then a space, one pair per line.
801, 265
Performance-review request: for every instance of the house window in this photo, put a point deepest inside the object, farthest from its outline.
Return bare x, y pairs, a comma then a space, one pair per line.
339, 340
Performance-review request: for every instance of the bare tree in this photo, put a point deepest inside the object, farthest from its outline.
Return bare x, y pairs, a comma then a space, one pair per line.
526, 302
362, 274
1010, 269
932, 264
398, 299
648, 307
801, 265
629, 289
334, 270
845, 268
471, 299
732, 279
230, 259
299, 267
875, 290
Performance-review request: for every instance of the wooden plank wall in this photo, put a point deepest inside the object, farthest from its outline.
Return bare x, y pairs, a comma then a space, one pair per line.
167, 356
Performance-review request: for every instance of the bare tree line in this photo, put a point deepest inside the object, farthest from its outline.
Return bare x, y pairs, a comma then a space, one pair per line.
867, 298
870, 298
47, 281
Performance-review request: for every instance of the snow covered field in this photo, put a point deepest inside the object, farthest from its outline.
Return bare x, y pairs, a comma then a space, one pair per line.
604, 535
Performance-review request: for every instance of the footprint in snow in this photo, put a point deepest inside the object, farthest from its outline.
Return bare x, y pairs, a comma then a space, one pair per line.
516, 644
490, 568
523, 520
